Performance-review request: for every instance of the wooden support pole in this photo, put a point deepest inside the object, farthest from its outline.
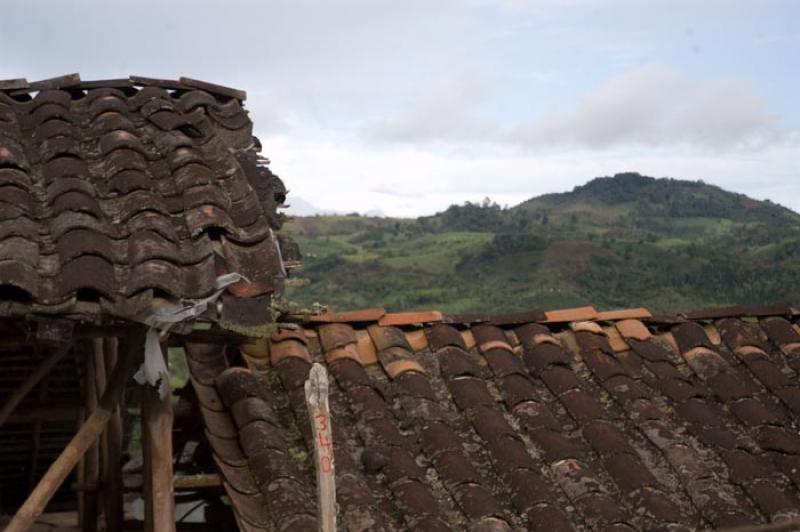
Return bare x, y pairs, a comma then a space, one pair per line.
33, 379
159, 494
112, 446
316, 388
91, 460
58, 471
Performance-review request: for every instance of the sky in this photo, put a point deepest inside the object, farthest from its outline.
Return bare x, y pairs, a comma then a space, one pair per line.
407, 107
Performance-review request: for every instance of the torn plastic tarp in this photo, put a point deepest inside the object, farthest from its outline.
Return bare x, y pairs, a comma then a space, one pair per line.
153, 370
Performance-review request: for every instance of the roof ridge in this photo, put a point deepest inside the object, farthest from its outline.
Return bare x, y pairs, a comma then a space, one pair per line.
384, 317
20, 86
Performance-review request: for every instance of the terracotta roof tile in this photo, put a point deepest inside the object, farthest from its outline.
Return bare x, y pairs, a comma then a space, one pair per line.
586, 326
468, 338
633, 329
570, 314
124, 223
366, 349
417, 339
624, 314
409, 318
616, 340
288, 349
336, 335
348, 351
615, 430
352, 316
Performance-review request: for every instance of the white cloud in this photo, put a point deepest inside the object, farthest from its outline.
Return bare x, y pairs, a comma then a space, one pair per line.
443, 109
337, 171
657, 107
651, 107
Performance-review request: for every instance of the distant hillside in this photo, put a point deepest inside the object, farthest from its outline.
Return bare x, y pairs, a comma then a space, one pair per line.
615, 241
629, 199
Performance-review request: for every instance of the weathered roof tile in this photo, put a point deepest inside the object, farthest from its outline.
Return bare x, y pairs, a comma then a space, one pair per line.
110, 176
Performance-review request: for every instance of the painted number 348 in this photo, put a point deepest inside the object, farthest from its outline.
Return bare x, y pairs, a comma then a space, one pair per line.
324, 441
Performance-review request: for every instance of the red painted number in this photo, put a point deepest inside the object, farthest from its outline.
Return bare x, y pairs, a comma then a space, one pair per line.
324, 440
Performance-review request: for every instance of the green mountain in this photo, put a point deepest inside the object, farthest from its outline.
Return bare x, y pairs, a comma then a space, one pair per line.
626, 240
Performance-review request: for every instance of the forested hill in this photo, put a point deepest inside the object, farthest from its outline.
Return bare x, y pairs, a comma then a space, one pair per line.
626, 240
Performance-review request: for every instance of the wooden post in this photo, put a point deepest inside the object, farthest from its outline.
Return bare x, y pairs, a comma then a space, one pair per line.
88, 433
91, 460
159, 499
316, 389
112, 451
33, 379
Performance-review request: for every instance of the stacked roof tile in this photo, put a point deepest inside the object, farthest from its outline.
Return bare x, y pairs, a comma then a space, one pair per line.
116, 192
624, 421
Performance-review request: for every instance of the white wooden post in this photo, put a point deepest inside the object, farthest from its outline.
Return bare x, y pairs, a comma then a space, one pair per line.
320, 416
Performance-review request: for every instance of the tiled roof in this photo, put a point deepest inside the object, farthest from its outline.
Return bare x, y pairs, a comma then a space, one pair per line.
617, 421
118, 191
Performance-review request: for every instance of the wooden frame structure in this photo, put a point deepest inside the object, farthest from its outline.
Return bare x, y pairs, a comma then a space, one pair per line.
154, 200
96, 448
106, 358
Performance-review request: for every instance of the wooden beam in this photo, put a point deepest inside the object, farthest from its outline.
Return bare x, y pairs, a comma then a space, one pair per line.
199, 481
159, 494
316, 390
60, 469
33, 379
90, 331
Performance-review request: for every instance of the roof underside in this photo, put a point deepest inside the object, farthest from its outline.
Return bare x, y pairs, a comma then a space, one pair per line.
115, 192
620, 422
